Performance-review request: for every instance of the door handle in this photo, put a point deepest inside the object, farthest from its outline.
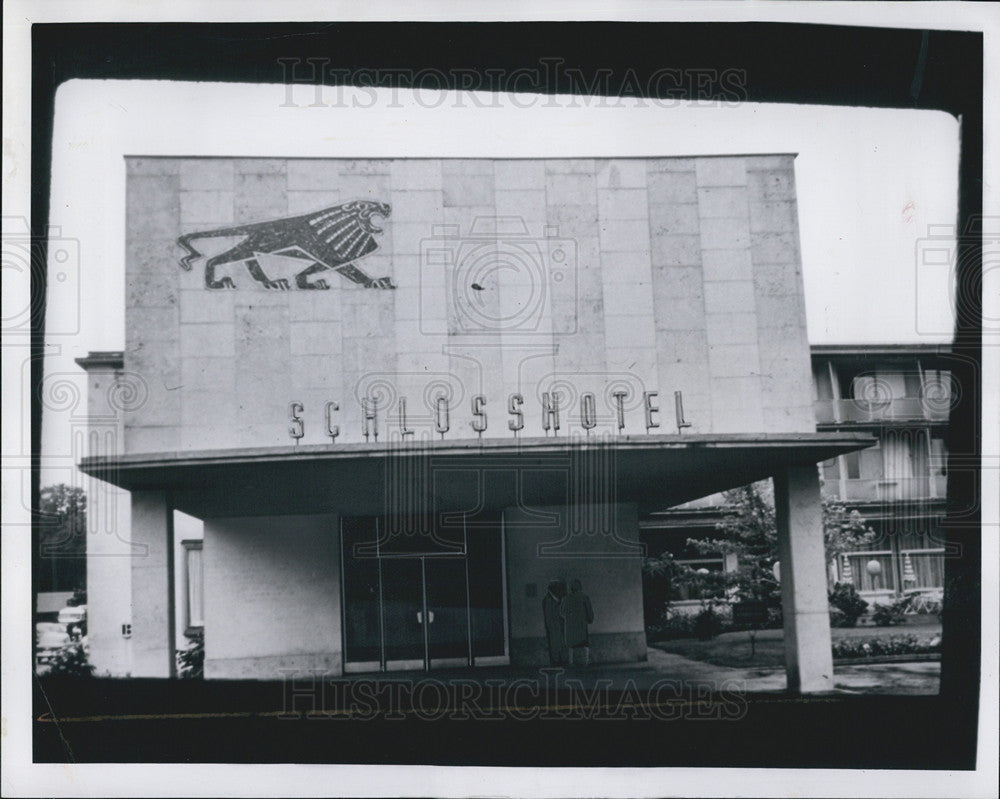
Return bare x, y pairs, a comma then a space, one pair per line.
420, 617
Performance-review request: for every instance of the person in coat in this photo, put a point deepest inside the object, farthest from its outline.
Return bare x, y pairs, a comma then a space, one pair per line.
578, 613
554, 625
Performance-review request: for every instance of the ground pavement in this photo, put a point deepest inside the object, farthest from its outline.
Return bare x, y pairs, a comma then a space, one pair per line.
910, 678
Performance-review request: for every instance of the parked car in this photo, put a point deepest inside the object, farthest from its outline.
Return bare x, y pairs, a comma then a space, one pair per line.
74, 619
52, 638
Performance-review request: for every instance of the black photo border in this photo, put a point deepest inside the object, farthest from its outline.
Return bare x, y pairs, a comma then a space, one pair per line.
784, 63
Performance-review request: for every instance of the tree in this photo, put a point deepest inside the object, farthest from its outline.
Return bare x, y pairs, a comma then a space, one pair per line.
62, 537
748, 531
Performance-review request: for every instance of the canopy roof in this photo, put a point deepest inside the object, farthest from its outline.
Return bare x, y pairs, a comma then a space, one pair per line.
655, 471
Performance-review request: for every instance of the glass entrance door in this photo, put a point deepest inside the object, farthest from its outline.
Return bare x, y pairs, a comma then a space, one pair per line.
422, 601
447, 611
403, 614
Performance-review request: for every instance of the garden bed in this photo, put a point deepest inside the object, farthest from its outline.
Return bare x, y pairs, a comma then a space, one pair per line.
916, 657
734, 649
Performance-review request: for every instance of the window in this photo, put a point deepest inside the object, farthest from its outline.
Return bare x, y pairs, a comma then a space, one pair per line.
193, 587
822, 385
926, 569
936, 386
883, 385
852, 465
883, 580
939, 456
911, 385
878, 388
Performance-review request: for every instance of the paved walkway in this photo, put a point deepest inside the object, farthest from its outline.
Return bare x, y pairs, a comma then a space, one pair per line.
886, 678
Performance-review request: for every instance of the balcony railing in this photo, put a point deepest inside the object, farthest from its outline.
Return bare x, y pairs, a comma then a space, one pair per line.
883, 489
901, 409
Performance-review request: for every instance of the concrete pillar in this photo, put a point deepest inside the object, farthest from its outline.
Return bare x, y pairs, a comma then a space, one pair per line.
153, 639
799, 517
109, 547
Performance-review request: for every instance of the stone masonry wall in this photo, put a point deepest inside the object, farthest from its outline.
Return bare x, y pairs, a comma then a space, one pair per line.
589, 275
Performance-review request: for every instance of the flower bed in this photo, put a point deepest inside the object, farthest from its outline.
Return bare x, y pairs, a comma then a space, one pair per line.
885, 646
849, 646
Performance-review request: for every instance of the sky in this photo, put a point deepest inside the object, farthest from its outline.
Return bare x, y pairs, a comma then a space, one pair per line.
876, 188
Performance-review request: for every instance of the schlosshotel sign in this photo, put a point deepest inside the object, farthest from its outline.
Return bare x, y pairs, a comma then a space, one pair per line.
551, 417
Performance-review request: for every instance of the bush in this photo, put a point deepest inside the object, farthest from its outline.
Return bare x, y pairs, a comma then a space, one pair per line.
888, 615
769, 619
851, 648
677, 625
845, 599
837, 617
79, 597
71, 661
708, 624
191, 661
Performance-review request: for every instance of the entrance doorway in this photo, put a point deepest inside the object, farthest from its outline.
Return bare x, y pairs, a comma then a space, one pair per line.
422, 596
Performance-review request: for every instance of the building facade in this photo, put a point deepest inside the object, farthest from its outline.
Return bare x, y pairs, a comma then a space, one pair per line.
402, 395
901, 395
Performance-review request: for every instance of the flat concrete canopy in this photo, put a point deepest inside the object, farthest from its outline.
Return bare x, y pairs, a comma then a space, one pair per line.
655, 471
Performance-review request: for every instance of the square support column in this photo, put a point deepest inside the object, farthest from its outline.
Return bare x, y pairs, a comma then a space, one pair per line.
153, 637
799, 517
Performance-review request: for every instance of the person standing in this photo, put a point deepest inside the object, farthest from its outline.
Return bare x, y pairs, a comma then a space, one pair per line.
578, 613
555, 626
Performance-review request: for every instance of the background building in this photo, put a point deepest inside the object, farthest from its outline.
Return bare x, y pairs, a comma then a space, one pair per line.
899, 393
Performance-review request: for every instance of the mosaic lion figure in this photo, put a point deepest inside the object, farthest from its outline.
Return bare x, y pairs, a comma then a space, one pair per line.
329, 239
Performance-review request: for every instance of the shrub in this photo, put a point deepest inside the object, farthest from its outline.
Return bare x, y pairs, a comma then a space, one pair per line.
851, 648
888, 615
708, 624
837, 617
71, 661
845, 599
672, 626
79, 597
769, 618
191, 661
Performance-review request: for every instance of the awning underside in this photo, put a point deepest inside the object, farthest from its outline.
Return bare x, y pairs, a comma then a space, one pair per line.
368, 479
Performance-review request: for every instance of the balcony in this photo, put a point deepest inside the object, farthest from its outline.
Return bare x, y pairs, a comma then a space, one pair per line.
882, 489
863, 411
